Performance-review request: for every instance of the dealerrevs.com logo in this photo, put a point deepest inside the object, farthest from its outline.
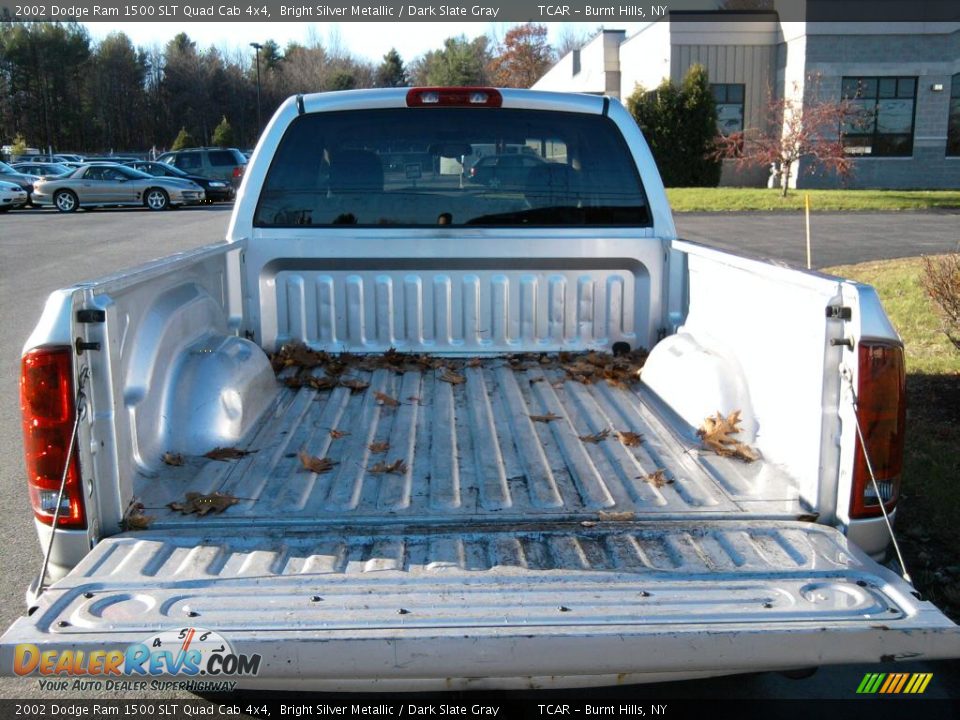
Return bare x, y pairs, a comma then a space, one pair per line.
186, 652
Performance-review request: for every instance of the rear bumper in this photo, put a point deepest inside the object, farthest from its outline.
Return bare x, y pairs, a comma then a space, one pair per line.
221, 194
418, 610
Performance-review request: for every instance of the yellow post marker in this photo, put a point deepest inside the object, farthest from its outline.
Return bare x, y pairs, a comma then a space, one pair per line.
806, 202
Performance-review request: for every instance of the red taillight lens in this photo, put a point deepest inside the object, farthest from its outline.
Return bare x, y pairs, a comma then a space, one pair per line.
881, 411
238, 171
48, 409
453, 97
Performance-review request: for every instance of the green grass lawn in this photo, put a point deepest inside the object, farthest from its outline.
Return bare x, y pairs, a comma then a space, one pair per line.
929, 512
727, 199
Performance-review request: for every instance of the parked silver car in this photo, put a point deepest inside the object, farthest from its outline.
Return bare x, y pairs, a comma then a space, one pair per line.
99, 184
11, 196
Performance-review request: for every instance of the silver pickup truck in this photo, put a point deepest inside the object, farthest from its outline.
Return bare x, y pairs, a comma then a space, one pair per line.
429, 420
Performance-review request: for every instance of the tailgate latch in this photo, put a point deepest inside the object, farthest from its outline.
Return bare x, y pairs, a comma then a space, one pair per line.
87, 317
839, 312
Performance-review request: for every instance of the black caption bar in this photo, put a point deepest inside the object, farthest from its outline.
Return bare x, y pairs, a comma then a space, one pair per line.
472, 706
599, 11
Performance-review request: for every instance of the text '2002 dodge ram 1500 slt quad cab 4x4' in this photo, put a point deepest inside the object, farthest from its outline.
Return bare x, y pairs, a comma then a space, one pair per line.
403, 431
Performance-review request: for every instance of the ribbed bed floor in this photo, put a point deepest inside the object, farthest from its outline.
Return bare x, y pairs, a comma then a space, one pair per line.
470, 451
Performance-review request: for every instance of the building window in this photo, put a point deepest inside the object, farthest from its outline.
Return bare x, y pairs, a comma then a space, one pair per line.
882, 123
953, 126
729, 100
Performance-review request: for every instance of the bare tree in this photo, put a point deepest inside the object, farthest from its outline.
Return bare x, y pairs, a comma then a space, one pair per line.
795, 130
572, 39
941, 280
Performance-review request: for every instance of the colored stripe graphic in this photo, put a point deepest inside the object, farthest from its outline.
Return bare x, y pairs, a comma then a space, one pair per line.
903, 681
894, 683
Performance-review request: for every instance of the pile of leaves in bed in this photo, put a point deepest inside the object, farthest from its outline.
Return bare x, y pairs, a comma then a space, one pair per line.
295, 364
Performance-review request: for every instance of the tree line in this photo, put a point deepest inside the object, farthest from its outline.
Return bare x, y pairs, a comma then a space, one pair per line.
61, 89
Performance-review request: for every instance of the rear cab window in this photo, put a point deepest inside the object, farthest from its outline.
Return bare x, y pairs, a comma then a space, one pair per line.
452, 166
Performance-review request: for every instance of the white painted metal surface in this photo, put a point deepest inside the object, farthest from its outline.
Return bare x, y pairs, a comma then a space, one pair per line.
526, 600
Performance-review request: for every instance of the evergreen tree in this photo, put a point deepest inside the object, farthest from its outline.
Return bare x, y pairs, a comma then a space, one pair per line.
700, 128
342, 80
19, 146
183, 140
680, 124
223, 134
391, 72
461, 63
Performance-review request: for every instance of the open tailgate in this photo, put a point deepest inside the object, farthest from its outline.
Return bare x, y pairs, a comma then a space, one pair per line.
567, 600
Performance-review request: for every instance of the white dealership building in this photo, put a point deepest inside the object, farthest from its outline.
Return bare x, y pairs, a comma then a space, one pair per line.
903, 76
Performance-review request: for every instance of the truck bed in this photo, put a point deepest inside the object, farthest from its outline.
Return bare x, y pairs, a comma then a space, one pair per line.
479, 449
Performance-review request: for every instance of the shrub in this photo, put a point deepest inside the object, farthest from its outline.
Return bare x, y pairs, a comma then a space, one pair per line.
223, 134
183, 140
941, 280
680, 124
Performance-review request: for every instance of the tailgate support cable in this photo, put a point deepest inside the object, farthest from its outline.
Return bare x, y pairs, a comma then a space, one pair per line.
84, 373
873, 480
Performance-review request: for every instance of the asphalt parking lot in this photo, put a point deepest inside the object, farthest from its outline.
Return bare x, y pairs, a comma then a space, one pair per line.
41, 251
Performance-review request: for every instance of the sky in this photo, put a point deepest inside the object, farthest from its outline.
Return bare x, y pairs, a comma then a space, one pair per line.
368, 40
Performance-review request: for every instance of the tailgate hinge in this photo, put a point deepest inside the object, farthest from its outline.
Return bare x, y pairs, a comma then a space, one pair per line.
87, 317
91, 315
839, 312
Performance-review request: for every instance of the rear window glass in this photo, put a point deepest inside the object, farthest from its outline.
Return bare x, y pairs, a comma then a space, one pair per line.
188, 161
452, 166
220, 158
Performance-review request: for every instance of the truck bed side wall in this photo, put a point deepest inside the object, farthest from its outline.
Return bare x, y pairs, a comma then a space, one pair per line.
171, 374
764, 330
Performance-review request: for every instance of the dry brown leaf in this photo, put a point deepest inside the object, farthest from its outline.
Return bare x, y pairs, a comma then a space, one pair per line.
203, 504
294, 381
320, 383
379, 447
549, 417
474, 362
596, 437
397, 467
384, 399
629, 438
354, 384
716, 434
658, 478
449, 376
227, 453
134, 519
175, 459
624, 516
337, 434
315, 464
298, 355
745, 452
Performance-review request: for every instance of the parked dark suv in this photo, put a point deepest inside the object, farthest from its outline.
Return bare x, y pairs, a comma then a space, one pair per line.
211, 162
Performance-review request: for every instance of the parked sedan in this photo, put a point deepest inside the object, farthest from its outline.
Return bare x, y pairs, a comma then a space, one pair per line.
11, 196
93, 185
42, 169
25, 181
214, 189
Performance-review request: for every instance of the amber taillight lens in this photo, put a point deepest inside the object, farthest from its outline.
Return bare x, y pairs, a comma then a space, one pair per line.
48, 409
881, 412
